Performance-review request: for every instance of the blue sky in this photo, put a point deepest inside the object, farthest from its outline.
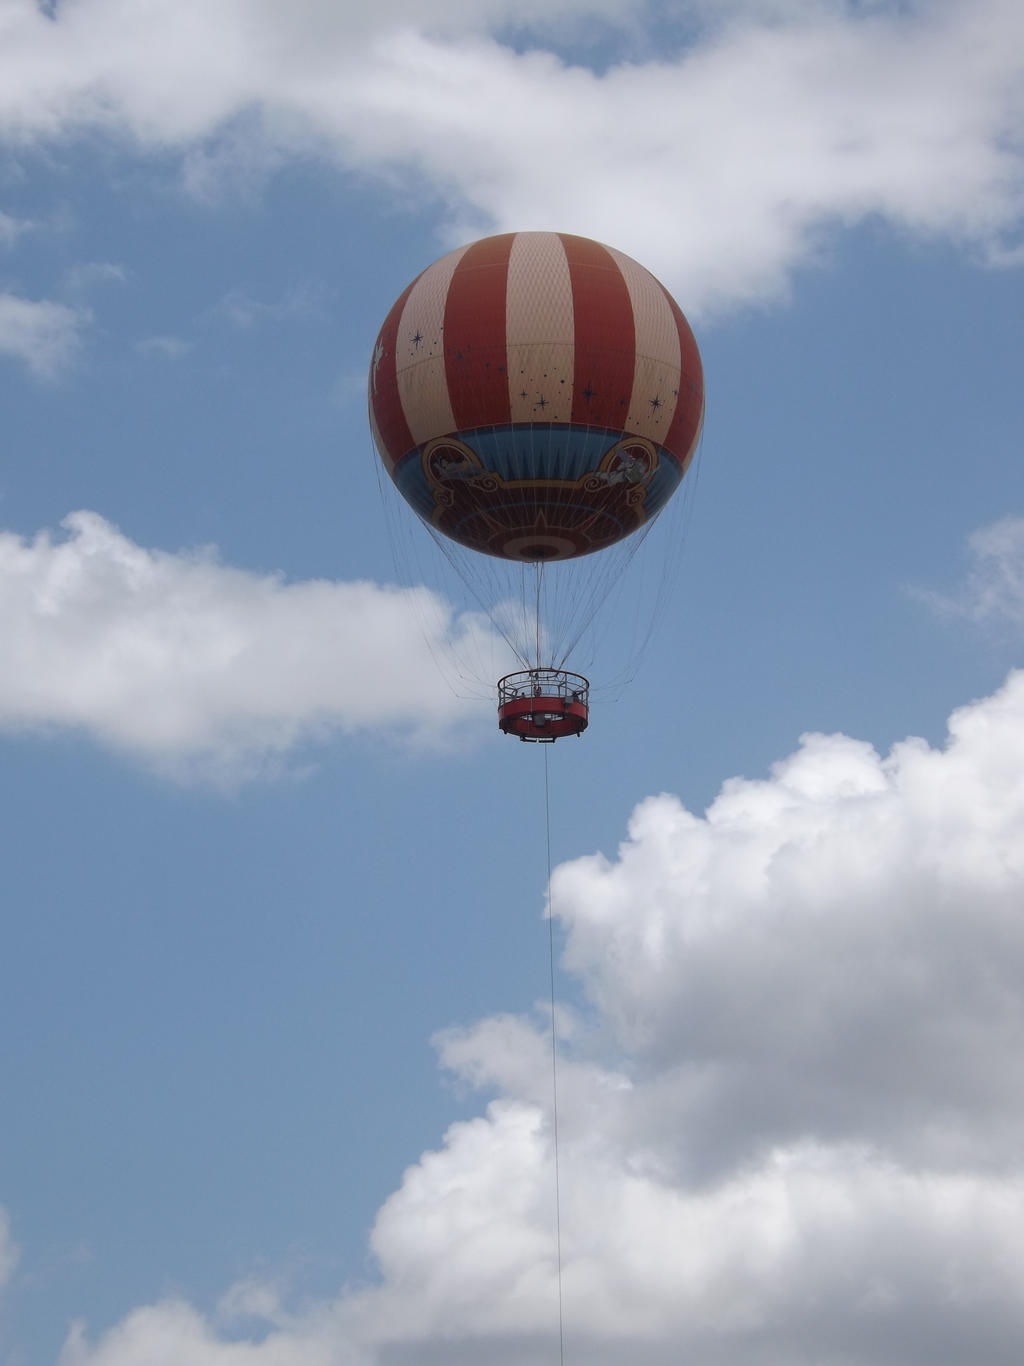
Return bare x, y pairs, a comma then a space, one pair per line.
275, 1081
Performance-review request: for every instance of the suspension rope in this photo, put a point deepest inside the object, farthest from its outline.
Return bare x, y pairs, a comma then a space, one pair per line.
554, 1061
537, 618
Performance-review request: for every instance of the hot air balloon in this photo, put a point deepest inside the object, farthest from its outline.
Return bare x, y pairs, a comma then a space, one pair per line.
537, 398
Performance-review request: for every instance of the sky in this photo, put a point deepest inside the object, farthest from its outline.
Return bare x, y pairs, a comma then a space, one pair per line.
275, 1075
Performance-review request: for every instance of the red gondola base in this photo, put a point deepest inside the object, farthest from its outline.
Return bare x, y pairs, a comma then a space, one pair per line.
543, 705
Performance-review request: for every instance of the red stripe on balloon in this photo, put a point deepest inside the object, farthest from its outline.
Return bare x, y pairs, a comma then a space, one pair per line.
385, 401
475, 349
605, 335
689, 414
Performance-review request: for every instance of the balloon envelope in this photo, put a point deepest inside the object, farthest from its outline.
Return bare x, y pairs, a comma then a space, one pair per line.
536, 396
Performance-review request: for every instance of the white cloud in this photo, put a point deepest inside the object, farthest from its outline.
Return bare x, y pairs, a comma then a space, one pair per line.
87, 274
252, 1299
43, 335
790, 1131
198, 667
243, 311
163, 344
11, 229
173, 1333
835, 951
718, 163
994, 589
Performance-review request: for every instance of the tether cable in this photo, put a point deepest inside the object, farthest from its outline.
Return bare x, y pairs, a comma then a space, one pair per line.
554, 1062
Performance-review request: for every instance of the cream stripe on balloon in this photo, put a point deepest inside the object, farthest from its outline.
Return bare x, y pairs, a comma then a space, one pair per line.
419, 352
539, 329
656, 371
